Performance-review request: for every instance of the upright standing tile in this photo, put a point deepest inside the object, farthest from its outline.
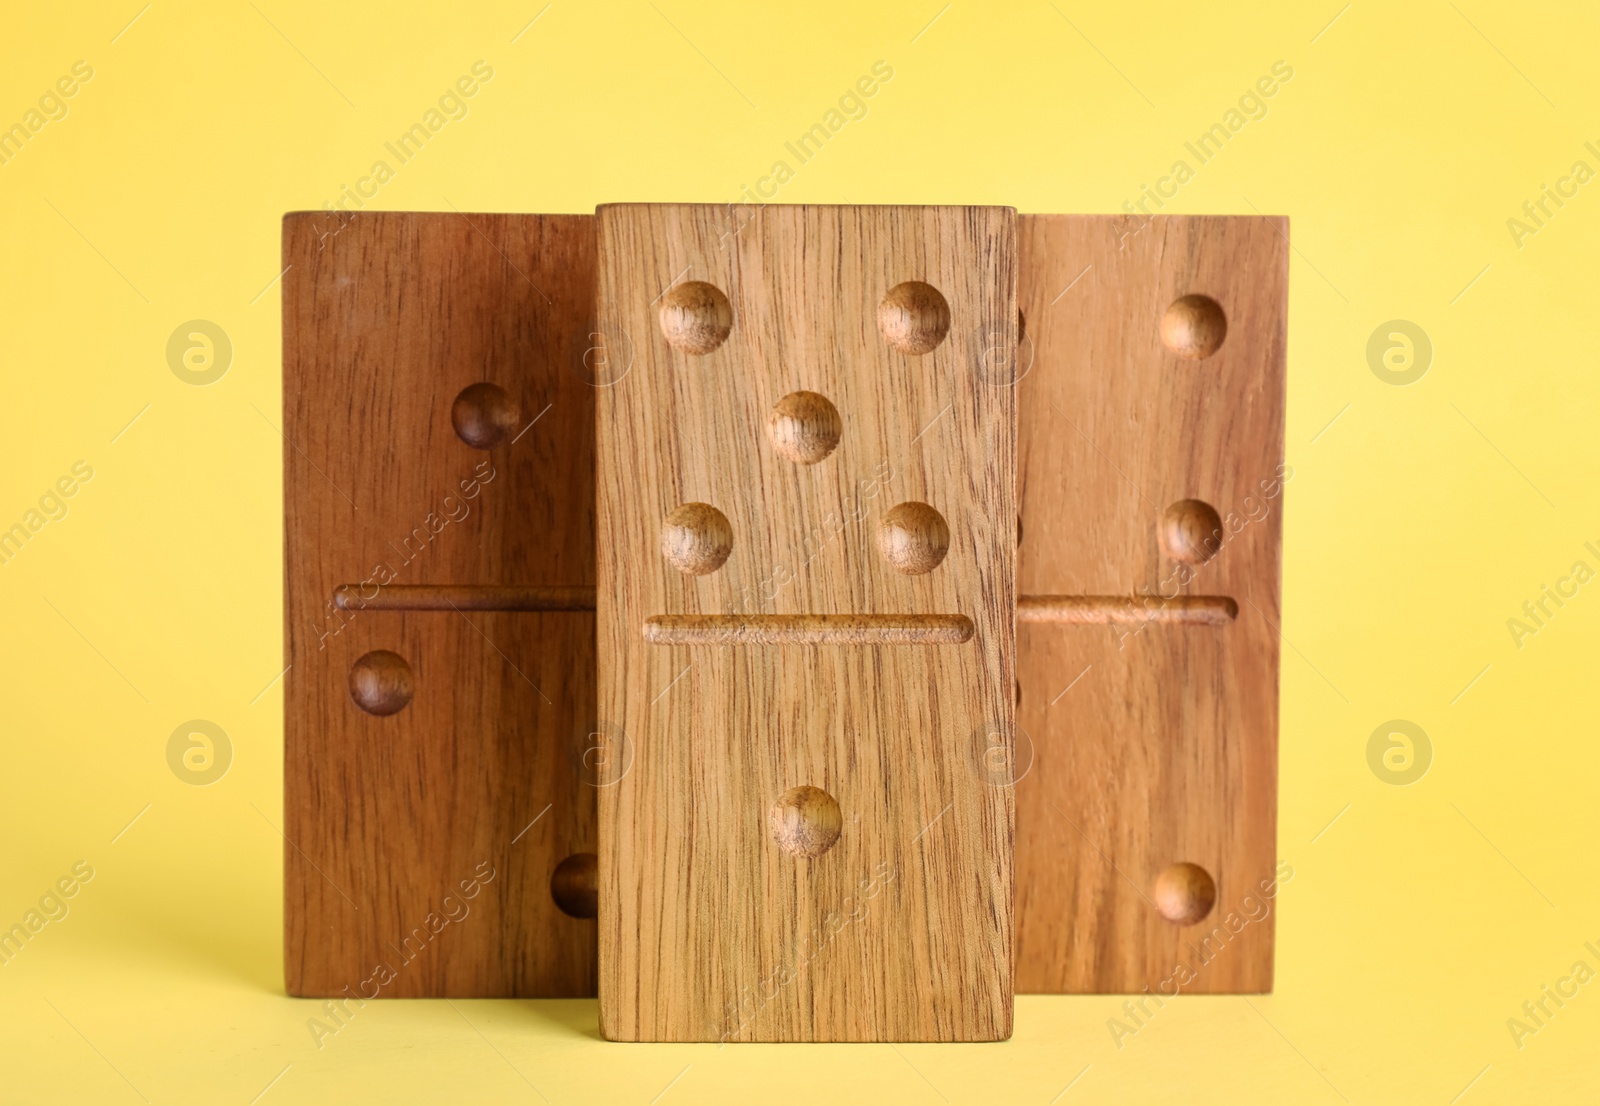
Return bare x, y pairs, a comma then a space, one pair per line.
1151, 477
438, 468
807, 529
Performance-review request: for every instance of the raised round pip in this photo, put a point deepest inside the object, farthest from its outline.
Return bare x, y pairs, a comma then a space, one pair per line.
696, 539
805, 821
1184, 893
381, 682
1191, 531
1193, 327
914, 317
696, 317
913, 538
484, 416
575, 885
804, 427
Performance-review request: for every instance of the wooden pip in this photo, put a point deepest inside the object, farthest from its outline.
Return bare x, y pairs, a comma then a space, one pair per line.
806, 540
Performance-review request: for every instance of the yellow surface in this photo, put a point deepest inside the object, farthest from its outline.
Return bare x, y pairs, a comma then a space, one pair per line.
1417, 524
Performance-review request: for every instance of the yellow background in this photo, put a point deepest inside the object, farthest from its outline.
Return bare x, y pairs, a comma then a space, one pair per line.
1416, 924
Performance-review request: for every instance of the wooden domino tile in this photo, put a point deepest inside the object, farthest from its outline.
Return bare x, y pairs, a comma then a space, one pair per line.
1150, 477
439, 525
807, 526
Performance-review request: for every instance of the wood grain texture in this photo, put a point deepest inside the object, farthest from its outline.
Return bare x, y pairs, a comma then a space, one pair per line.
728, 911
421, 844
1155, 742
